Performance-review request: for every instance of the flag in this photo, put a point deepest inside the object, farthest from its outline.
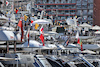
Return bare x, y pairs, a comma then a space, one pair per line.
75, 16
78, 41
36, 26
11, 6
67, 42
59, 23
25, 17
6, 12
21, 26
19, 7
28, 34
77, 35
16, 11
41, 36
41, 30
42, 39
81, 45
7, 3
32, 22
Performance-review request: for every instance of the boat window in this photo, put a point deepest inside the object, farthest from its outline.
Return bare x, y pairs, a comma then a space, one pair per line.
40, 56
60, 30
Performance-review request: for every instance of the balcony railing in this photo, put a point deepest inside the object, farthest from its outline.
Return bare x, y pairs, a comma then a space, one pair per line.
56, 4
73, 13
90, 18
84, 6
84, 3
78, 13
90, 7
79, 7
56, 9
60, 15
90, 1
78, 2
84, 13
73, 1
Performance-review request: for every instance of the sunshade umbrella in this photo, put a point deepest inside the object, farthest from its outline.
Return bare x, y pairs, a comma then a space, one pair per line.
97, 32
95, 28
88, 51
85, 25
7, 35
32, 44
41, 21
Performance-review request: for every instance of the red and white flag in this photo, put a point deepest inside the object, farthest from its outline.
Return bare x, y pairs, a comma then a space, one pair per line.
77, 36
16, 11
42, 39
41, 30
32, 22
11, 6
7, 3
42, 36
28, 35
21, 26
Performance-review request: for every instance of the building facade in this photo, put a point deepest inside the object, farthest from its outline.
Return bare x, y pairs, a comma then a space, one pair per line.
62, 9
96, 13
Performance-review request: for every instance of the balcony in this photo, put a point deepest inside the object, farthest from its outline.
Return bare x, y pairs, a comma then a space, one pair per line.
84, 13
84, 3
90, 1
90, 12
90, 18
73, 1
51, 2
84, 6
44, 1
61, 7
78, 13
78, 2
63, 1
84, 20
57, 4
60, 15
78, 6
67, 13
55, 9
38, 2
59, 18
57, 1
63, 18
72, 13
69, 1
90, 7
72, 7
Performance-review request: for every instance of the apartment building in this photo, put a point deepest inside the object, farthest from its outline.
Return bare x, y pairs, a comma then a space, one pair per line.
62, 9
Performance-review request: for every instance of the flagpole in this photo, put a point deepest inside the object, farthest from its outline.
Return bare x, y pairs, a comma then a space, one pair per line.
4, 4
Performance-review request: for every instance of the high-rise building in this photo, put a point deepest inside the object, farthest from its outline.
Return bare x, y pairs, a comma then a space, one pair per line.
85, 10
62, 9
